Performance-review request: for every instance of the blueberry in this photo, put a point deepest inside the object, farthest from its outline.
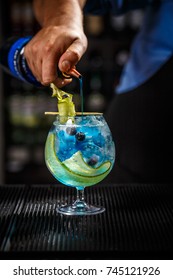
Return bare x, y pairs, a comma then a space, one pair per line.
71, 130
80, 136
92, 161
99, 140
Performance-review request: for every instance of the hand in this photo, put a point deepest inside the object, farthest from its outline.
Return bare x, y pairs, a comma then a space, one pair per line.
52, 47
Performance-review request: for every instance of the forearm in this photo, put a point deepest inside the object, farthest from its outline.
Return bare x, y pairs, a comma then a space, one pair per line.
58, 12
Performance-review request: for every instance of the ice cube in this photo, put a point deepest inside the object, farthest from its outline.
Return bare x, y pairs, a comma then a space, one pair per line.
98, 139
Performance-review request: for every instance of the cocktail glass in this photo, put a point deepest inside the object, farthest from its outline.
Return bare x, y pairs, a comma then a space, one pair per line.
80, 152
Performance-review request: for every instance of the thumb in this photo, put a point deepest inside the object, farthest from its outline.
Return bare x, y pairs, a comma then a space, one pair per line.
71, 56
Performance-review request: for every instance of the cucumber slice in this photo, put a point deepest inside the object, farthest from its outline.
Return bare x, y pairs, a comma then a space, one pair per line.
65, 104
77, 165
73, 171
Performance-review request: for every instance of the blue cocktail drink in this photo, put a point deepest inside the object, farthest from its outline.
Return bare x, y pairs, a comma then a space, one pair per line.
80, 152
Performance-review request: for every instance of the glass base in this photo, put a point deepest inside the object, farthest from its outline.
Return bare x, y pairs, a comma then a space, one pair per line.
80, 208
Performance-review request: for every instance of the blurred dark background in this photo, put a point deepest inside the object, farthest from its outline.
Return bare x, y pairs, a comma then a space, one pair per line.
23, 125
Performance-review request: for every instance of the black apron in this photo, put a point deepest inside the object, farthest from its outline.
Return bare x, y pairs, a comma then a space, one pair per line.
141, 122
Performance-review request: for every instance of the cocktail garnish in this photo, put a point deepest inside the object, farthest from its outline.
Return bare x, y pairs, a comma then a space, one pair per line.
66, 107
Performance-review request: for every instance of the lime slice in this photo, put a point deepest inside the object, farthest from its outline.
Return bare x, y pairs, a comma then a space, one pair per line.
73, 171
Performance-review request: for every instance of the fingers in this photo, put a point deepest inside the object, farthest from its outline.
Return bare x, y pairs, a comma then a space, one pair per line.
68, 60
72, 55
43, 63
49, 68
61, 82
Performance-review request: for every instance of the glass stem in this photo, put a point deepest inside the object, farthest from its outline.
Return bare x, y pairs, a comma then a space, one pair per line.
80, 194
80, 203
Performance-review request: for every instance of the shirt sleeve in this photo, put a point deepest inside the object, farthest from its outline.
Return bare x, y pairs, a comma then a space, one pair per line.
101, 7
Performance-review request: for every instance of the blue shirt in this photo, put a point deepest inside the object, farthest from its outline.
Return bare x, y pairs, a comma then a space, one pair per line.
153, 45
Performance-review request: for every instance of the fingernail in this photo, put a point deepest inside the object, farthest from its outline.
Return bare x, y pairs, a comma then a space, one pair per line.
65, 65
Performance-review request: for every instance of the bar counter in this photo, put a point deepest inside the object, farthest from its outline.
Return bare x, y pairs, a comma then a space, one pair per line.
137, 223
